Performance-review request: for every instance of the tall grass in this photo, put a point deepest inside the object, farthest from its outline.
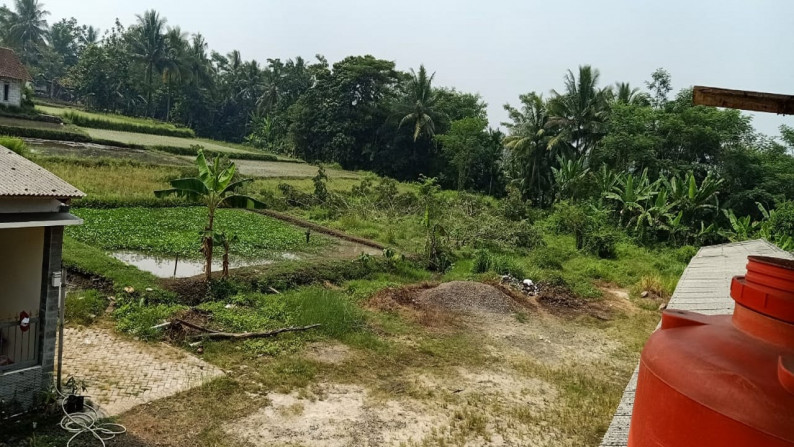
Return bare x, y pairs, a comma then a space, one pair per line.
15, 144
99, 122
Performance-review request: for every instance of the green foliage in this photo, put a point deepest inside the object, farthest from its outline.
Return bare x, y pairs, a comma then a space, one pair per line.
484, 261
289, 275
174, 231
528, 236
137, 318
15, 144
84, 120
600, 239
84, 306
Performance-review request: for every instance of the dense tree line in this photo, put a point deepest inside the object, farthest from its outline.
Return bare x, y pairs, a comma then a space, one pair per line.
669, 170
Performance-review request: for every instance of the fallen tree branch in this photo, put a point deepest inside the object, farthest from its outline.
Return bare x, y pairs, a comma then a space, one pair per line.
243, 335
274, 291
193, 326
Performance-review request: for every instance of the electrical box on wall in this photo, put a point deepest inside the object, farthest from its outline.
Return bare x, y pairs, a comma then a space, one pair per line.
56, 279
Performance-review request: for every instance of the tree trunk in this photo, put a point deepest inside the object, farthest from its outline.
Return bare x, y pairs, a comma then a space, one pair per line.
168, 101
149, 69
225, 259
208, 246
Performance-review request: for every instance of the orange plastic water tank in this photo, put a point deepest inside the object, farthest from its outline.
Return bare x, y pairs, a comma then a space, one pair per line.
723, 380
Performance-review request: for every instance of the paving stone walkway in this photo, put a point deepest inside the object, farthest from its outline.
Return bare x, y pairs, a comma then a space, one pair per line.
123, 373
705, 288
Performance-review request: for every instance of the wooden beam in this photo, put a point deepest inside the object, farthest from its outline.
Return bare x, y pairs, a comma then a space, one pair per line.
744, 100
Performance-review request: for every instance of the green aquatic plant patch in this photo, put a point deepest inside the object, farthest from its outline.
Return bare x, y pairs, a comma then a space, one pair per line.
175, 231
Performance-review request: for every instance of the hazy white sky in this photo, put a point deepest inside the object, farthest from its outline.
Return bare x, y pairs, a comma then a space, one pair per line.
500, 48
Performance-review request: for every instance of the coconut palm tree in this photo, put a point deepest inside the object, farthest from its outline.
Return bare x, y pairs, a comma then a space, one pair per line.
215, 188
419, 105
26, 26
149, 46
580, 111
175, 65
624, 94
90, 35
528, 145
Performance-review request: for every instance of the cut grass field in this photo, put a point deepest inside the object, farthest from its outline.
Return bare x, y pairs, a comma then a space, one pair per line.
174, 231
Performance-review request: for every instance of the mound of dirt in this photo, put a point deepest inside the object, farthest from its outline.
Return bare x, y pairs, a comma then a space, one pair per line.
468, 297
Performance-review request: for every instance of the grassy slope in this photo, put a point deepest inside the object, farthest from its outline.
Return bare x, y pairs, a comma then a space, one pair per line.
160, 140
19, 122
59, 111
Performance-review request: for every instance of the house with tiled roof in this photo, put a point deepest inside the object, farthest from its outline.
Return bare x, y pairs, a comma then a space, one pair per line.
13, 77
34, 209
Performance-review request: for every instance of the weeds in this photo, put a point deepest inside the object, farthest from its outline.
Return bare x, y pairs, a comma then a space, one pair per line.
85, 306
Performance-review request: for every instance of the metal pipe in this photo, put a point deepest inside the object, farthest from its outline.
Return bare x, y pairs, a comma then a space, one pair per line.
61, 312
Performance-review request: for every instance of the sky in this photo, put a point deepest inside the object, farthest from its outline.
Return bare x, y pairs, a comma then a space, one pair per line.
500, 48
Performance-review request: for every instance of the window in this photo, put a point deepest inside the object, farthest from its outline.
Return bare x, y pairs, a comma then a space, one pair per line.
6, 87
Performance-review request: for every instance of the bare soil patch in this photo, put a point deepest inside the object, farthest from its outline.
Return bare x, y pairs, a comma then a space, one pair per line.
328, 353
340, 415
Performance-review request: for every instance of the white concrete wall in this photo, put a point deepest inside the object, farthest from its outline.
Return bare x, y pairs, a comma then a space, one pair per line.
21, 260
14, 92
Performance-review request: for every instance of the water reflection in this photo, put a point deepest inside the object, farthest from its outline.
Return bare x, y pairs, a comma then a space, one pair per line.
167, 267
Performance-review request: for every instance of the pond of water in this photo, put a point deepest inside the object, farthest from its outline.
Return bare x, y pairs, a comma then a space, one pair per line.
167, 267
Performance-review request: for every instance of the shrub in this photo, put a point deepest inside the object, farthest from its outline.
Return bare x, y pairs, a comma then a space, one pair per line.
15, 144
551, 257
288, 275
527, 236
781, 221
484, 262
84, 307
600, 240
151, 129
685, 254
567, 218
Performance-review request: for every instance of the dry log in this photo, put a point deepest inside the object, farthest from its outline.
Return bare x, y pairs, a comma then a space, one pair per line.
193, 326
244, 335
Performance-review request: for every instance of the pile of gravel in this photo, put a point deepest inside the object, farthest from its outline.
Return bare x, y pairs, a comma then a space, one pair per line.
468, 297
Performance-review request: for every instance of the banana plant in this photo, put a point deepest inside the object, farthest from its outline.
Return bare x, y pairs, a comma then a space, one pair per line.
630, 194
215, 188
742, 228
605, 180
221, 239
692, 198
571, 177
